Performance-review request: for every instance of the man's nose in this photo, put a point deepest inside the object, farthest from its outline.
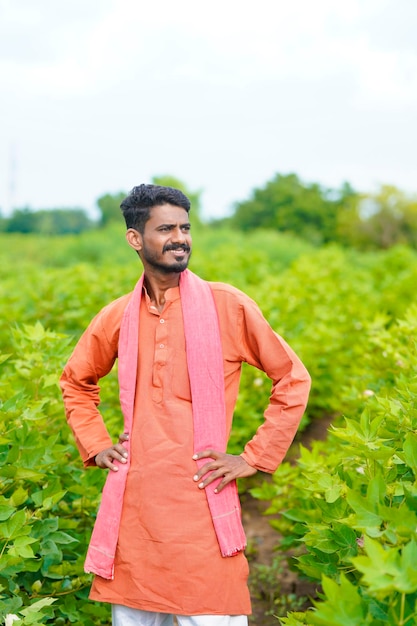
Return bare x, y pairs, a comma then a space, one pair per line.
178, 235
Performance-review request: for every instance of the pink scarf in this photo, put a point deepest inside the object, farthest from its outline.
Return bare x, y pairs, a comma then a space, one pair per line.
202, 337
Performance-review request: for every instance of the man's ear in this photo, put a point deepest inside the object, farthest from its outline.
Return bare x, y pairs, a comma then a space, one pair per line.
134, 239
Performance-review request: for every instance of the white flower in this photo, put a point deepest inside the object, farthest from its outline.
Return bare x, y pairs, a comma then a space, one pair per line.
10, 618
368, 393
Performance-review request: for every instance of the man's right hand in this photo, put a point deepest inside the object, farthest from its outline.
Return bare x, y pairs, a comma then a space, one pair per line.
118, 452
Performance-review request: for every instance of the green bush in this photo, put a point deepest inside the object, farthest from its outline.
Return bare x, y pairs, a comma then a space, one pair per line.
351, 502
47, 501
349, 512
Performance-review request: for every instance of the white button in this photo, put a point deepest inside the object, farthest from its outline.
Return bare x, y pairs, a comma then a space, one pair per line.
161, 345
161, 321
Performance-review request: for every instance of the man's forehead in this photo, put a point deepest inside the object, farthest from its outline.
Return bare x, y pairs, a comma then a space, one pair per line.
161, 211
168, 214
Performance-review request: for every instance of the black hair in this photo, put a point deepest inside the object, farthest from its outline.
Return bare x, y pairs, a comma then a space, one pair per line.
137, 205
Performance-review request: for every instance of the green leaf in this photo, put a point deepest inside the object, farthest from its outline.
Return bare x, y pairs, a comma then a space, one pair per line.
366, 515
410, 493
343, 605
388, 569
42, 528
61, 537
377, 489
322, 538
21, 473
345, 537
410, 450
14, 525
35, 332
23, 551
22, 547
331, 485
406, 580
400, 521
33, 612
318, 563
50, 501
6, 512
19, 496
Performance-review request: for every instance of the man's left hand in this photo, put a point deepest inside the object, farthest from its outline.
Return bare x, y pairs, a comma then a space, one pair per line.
228, 467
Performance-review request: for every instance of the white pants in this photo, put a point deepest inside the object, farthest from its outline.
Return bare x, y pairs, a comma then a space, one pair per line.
125, 616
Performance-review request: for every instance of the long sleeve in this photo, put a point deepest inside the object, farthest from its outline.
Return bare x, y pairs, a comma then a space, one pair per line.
247, 337
91, 360
261, 347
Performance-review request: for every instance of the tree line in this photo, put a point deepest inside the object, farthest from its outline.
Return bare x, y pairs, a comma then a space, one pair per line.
321, 215
318, 214
63, 221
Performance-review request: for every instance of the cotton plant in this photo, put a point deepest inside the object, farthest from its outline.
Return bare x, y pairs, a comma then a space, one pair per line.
33, 615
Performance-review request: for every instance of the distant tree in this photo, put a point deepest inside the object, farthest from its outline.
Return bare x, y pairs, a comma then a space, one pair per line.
348, 204
410, 222
21, 221
287, 204
48, 221
62, 221
109, 207
387, 218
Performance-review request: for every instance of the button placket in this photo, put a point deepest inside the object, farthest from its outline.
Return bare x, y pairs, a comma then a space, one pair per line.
160, 353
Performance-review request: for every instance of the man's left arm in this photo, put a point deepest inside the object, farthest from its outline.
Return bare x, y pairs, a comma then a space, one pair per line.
267, 351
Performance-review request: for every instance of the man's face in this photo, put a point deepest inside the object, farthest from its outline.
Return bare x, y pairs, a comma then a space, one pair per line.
166, 240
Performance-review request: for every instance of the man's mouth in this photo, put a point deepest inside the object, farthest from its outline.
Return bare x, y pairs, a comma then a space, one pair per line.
178, 250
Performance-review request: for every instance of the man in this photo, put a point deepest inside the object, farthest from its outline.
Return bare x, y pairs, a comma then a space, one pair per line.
168, 539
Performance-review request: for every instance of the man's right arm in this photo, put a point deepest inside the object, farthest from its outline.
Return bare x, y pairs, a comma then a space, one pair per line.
92, 358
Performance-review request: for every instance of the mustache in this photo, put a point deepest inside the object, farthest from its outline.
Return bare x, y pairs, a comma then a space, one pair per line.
183, 247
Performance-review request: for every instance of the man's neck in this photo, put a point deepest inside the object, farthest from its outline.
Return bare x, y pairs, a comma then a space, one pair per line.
156, 286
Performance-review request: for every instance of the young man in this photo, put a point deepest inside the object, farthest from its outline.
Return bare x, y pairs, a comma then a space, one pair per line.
168, 539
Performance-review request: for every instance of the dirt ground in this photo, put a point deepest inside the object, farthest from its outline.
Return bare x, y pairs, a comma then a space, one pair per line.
264, 538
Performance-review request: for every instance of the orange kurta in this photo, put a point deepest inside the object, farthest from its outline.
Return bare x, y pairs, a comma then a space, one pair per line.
168, 558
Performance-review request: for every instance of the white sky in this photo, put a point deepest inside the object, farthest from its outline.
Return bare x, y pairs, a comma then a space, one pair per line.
97, 96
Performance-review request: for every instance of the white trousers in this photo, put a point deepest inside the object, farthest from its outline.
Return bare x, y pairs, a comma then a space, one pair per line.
125, 616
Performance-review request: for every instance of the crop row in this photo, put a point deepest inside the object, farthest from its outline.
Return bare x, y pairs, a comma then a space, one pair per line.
348, 316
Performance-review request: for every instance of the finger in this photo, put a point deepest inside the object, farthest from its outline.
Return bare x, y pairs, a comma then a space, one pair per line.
225, 474
205, 469
205, 454
222, 484
106, 457
120, 452
110, 465
208, 467
123, 437
214, 475
104, 460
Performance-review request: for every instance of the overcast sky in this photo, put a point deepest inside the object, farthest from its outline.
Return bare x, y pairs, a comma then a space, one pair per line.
97, 96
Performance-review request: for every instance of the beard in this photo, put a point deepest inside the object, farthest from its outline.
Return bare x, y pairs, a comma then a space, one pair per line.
156, 260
